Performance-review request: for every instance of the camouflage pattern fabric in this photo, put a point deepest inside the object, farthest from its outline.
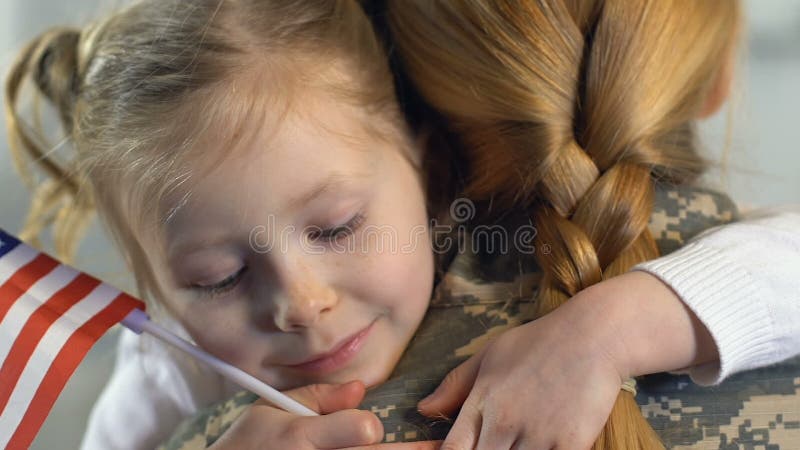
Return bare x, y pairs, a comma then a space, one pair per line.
484, 294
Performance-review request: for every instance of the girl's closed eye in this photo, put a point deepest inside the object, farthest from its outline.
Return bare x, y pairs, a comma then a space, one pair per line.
222, 287
339, 232
332, 234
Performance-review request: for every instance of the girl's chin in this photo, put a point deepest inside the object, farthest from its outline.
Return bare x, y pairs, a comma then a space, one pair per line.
370, 369
371, 377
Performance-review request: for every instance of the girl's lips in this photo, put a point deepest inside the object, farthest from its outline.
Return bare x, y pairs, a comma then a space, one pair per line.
338, 357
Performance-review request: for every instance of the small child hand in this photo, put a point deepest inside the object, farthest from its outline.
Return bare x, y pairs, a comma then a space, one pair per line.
545, 384
552, 383
264, 426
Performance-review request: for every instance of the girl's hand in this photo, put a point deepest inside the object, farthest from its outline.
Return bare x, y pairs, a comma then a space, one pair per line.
263, 426
552, 383
538, 386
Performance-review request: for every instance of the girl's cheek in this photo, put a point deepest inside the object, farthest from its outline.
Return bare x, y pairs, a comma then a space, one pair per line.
219, 332
231, 349
398, 280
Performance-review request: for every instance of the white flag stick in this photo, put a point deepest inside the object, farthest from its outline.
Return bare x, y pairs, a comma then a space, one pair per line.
138, 321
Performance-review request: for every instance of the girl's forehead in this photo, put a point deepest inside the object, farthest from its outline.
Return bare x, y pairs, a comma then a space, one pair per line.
254, 115
309, 138
268, 138
319, 145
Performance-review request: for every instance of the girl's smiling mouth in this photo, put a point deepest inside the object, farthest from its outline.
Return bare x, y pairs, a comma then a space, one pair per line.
338, 357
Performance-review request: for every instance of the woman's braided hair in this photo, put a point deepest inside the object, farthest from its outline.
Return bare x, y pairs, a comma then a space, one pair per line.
572, 109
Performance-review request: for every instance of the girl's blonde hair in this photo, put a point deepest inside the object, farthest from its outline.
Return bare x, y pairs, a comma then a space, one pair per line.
572, 109
136, 91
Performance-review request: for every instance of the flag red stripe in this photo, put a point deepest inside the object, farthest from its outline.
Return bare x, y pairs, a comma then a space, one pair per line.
23, 279
36, 327
65, 363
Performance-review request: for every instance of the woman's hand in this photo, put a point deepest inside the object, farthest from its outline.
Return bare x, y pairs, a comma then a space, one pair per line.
263, 426
552, 383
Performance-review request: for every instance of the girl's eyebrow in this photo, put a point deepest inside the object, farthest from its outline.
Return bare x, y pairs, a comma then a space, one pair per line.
334, 181
180, 247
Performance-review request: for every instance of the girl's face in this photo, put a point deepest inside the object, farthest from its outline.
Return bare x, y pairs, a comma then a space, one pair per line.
305, 256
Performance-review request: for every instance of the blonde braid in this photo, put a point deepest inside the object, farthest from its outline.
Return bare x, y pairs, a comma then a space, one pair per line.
570, 109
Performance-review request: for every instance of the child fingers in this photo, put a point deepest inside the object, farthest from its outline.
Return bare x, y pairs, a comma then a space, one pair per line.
342, 429
347, 396
494, 436
466, 429
327, 398
421, 445
454, 389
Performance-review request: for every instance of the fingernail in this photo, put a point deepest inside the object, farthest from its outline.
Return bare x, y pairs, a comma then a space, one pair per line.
427, 400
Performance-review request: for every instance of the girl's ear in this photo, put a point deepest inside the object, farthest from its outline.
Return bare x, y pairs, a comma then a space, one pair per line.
721, 89
419, 142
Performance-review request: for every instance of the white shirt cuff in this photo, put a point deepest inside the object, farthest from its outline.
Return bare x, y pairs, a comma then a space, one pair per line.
727, 300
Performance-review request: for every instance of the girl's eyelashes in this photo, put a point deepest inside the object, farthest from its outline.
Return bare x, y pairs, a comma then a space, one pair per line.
216, 289
327, 235
339, 232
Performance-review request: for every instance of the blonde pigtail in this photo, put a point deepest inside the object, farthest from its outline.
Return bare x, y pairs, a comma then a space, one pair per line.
62, 199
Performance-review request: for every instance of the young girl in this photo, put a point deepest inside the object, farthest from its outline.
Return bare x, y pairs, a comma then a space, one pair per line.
243, 153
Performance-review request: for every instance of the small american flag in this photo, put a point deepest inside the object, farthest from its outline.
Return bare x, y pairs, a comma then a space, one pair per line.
50, 316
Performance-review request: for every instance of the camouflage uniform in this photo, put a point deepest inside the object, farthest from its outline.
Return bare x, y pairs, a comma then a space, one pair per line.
483, 294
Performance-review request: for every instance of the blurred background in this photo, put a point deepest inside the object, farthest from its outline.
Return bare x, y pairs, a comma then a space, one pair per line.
755, 139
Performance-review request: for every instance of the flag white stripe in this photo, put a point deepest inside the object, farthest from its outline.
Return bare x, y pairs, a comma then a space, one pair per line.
15, 259
46, 352
24, 307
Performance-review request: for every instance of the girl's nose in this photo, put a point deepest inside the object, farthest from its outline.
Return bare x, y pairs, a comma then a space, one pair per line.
303, 301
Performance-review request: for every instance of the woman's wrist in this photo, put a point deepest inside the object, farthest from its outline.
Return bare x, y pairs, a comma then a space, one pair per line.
641, 324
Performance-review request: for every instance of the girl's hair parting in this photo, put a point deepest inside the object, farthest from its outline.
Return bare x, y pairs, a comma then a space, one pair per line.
572, 110
137, 91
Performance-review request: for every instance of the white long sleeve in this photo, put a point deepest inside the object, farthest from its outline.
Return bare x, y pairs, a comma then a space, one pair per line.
742, 280
150, 392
